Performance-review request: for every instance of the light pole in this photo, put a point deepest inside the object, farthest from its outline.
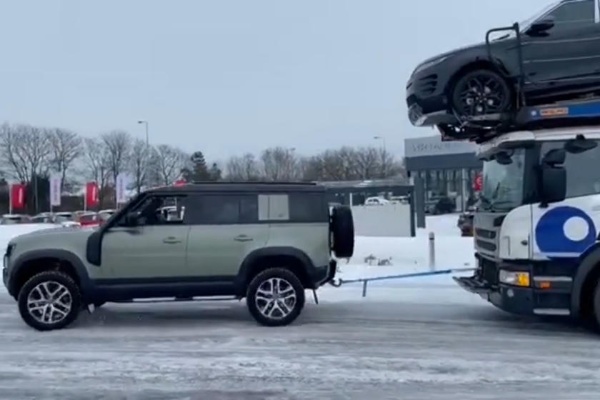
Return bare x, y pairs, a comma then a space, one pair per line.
382, 142
147, 136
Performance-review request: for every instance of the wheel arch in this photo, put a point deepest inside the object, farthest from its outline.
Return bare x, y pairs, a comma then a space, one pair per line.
475, 64
30, 263
280, 256
584, 282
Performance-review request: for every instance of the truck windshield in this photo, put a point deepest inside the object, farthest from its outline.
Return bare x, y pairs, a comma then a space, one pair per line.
503, 181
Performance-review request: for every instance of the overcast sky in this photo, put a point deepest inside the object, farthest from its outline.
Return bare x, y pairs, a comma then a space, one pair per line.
229, 76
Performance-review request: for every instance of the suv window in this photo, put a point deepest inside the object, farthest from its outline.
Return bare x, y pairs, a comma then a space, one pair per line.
222, 209
161, 210
582, 180
574, 14
308, 207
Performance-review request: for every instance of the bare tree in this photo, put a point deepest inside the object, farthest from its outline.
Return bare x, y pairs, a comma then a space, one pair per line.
26, 149
117, 145
280, 164
96, 162
139, 162
367, 163
66, 148
243, 168
169, 161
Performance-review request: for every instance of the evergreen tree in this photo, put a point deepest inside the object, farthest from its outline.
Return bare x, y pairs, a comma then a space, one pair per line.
200, 170
215, 173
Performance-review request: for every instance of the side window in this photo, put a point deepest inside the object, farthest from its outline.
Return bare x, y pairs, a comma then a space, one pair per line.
160, 210
222, 209
308, 207
575, 14
582, 180
273, 207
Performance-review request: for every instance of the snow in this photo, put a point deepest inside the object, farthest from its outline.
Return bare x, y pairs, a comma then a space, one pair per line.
422, 338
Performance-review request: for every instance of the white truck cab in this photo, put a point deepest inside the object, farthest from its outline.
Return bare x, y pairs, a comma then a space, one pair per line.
536, 227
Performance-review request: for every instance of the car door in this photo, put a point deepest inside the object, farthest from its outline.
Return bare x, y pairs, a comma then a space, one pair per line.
224, 229
152, 250
566, 54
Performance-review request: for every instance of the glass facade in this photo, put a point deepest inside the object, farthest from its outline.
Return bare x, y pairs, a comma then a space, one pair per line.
440, 183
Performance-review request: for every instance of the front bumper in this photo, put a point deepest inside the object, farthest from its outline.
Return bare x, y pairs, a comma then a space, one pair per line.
426, 99
546, 295
515, 300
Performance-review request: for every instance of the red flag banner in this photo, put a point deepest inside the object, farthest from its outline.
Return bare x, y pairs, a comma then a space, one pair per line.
17, 196
478, 183
92, 197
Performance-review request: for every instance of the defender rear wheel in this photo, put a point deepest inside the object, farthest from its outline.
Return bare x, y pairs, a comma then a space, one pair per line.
275, 297
49, 300
480, 92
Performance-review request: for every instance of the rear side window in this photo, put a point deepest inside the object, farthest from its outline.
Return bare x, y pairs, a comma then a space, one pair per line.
572, 15
308, 207
219, 209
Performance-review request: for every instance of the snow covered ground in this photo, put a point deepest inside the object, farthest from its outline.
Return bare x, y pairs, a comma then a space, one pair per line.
418, 339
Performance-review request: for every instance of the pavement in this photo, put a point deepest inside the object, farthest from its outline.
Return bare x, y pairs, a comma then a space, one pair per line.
398, 343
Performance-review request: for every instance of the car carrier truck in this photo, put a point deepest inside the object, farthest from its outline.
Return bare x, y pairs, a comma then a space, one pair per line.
536, 229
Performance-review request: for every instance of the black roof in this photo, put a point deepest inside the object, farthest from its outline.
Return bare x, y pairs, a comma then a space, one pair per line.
266, 187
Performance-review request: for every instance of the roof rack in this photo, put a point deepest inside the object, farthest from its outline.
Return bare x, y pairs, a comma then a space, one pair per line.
251, 183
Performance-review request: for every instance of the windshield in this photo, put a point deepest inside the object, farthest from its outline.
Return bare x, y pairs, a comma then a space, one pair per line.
524, 25
503, 181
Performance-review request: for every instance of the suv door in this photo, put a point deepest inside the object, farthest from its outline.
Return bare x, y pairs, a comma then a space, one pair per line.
225, 228
569, 52
154, 248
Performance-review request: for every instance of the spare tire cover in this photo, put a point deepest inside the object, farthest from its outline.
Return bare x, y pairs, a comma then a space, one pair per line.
342, 230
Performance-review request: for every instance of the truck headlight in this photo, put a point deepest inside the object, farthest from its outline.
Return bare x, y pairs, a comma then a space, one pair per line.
515, 278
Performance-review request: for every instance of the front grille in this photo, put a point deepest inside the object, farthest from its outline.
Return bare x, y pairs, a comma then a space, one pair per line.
489, 271
489, 246
427, 85
485, 234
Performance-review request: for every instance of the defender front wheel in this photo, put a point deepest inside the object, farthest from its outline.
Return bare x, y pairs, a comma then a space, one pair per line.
49, 300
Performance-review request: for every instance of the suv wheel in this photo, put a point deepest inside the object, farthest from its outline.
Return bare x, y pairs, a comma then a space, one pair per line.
275, 297
49, 300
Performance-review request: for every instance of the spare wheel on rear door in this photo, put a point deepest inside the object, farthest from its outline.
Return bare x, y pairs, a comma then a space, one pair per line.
342, 231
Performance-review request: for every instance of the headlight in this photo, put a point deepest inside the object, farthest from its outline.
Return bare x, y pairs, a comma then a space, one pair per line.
429, 64
514, 278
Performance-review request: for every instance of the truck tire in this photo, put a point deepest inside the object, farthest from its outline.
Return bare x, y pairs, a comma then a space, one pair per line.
49, 300
275, 297
342, 231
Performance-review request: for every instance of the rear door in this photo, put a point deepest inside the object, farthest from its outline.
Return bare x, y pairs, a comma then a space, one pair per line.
569, 52
224, 230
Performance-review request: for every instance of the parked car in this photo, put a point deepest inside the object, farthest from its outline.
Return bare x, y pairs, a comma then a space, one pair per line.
465, 222
88, 219
11, 219
376, 201
450, 87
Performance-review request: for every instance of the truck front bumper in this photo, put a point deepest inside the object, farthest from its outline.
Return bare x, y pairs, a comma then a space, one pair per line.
515, 300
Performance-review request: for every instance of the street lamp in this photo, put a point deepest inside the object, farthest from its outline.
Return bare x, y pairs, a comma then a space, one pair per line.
382, 141
146, 126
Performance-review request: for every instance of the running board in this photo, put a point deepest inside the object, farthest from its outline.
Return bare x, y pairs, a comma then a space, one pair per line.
176, 299
552, 311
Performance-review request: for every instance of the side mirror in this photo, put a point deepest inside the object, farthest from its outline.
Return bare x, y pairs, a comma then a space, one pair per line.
553, 184
541, 27
131, 220
554, 157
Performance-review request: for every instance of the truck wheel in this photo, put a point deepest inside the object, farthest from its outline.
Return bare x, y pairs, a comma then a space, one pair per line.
342, 231
49, 300
275, 297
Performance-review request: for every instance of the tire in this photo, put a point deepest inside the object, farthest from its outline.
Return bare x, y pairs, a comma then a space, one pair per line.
33, 290
257, 304
342, 231
480, 92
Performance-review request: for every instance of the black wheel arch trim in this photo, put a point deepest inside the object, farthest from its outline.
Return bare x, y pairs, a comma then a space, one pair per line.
287, 251
589, 260
19, 263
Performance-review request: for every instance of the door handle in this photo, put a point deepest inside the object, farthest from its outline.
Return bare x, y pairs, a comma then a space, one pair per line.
243, 238
171, 240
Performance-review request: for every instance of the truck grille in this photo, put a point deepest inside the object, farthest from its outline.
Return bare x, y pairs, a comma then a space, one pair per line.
488, 271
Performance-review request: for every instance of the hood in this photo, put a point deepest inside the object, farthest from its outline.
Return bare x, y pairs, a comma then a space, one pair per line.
452, 53
61, 230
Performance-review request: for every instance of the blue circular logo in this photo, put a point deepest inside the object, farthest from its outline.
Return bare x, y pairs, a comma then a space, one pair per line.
550, 231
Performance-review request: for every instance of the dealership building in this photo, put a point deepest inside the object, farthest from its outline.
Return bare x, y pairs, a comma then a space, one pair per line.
446, 169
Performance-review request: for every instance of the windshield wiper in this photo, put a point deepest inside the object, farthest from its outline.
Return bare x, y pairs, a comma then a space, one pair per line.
502, 37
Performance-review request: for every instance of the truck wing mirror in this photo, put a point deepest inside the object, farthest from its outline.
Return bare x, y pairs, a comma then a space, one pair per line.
553, 184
